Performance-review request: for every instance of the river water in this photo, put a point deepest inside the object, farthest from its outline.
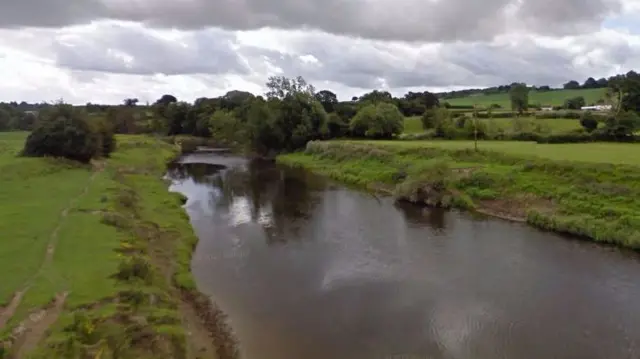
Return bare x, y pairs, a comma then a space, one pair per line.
307, 269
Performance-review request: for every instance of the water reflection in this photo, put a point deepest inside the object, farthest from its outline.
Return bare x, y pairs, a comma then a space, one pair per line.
310, 270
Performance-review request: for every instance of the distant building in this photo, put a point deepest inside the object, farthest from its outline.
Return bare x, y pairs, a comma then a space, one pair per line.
546, 109
597, 108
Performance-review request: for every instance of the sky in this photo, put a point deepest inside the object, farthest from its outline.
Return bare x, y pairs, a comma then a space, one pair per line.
104, 51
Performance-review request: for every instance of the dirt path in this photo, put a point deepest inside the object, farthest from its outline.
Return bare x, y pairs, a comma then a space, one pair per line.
29, 333
7, 312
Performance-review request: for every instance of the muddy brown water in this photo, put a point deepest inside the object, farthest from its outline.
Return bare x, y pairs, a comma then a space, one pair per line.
306, 268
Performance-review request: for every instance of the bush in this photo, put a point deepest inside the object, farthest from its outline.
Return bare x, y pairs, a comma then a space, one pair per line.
428, 119
461, 121
382, 120
575, 103
569, 137
226, 128
588, 121
559, 114
106, 138
485, 115
65, 132
471, 126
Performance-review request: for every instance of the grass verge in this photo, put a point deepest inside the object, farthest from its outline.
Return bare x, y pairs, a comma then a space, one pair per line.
594, 201
115, 280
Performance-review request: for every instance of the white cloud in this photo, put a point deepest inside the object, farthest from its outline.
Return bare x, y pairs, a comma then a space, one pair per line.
108, 60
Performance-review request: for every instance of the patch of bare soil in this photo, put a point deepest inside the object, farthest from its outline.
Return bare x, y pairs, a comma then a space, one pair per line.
29, 333
7, 312
465, 172
199, 340
213, 323
514, 209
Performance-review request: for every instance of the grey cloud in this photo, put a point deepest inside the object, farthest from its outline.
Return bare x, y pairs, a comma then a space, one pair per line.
559, 17
49, 13
133, 50
365, 64
411, 20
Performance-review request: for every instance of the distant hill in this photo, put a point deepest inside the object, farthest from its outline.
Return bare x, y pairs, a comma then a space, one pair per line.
543, 98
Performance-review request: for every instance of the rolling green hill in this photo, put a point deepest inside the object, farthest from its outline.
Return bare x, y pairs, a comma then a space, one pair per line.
547, 98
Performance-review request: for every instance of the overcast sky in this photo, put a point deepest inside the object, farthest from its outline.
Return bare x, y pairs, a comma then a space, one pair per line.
106, 50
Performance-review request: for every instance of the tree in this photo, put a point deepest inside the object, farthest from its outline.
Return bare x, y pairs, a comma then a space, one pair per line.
5, 119
337, 126
621, 126
226, 128
176, 116
588, 122
591, 83
130, 102
433, 117
107, 138
544, 88
122, 119
235, 99
602, 83
28, 120
630, 88
572, 85
279, 87
165, 100
328, 99
519, 96
575, 103
426, 98
346, 111
375, 97
64, 132
382, 120
416, 103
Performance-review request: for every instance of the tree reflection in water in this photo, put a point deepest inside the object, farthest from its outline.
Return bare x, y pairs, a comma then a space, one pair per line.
280, 199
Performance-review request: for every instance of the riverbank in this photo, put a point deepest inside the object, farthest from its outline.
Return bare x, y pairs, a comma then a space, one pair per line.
594, 201
100, 260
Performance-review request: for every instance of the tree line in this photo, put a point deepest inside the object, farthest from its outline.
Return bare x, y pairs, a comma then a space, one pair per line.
589, 83
286, 117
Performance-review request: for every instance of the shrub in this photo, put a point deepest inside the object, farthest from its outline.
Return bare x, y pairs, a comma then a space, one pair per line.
588, 121
106, 137
382, 120
64, 132
226, 128
428, 119
473, 125
461, 121
569, 137
559, 114
447, 129
575, 103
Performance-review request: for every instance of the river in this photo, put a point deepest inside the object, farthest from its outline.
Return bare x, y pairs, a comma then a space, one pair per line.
308, 269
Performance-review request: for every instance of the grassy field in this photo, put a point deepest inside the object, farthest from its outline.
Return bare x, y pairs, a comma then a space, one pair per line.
413, 125
607, 153
571, 189
549, 98
87, 249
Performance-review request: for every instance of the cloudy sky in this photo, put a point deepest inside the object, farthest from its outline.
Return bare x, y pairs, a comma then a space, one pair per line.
107, 50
